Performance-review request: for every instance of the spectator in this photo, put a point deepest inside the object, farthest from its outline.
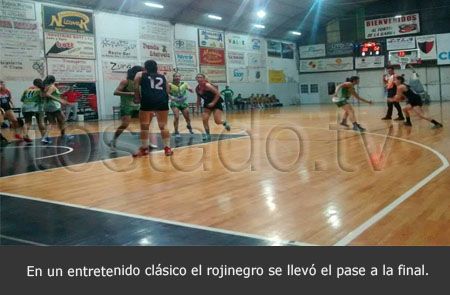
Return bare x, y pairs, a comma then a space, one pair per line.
228, 96
92, 100
239, 102
71, 110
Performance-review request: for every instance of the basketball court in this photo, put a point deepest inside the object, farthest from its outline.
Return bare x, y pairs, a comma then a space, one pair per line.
288, 176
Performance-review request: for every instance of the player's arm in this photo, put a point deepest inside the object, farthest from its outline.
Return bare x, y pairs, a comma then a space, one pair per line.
398, 95
49, 92
199, 100
189, 88
120, 89
213, 89
168, 88
356, 95
137, 89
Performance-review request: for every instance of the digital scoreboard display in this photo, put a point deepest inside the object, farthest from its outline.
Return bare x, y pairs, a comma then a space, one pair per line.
370, 49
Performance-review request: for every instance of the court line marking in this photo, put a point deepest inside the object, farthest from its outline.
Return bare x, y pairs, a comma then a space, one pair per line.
22, 241
350, 236
355, 233
243, 133
69, 150
160, 220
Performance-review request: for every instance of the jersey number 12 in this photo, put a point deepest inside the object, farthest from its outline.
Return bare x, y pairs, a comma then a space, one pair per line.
158, 85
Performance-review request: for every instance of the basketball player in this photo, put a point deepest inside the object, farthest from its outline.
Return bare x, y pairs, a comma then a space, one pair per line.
151, 90
3, 139
52, 108
128, 109
343, 92
212, 103
178, 103
32, 105
391, 89
413, 102
6, 105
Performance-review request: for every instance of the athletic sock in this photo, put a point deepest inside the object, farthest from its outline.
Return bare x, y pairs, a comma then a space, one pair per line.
435, 122
166, 141
408, 120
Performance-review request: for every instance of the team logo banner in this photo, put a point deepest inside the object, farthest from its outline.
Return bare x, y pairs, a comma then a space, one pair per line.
185, 59
20, 38
214, 74
236, 42
239, 75
187, 74
155, 30
273, 48
401, 43
287, 50
443, 49
327, 65
369, 62
312, 51
340, 49
69, 45
185, 45
17, 9
277, 76
22, 69
256, 60
427, 47
71, 70
236, 58
212, 57
255, 44
160, 52
185, 53
67, 20
119, 48
256, 75
392, 26
117, 69
211, 39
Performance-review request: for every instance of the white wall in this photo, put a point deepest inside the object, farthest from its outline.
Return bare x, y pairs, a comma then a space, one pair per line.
111, 26
285, 92
322, 80
371, 85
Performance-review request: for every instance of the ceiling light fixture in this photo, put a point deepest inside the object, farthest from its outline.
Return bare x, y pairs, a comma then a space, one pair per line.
261, 13
154, 5
296, 33
398, 16
259, 26
216, 17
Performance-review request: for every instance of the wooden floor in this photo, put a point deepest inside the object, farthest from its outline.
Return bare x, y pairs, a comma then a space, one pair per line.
297, 177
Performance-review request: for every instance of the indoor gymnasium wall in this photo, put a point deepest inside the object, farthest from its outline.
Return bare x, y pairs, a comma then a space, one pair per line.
18, 84
124, 27
286, 92
113, 26
371, 85
445, 82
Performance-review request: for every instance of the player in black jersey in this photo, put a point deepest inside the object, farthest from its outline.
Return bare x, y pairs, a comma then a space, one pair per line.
413, 102
151, 91
212, 103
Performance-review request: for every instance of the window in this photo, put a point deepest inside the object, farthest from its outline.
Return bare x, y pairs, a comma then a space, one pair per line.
304, 88
314, 88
